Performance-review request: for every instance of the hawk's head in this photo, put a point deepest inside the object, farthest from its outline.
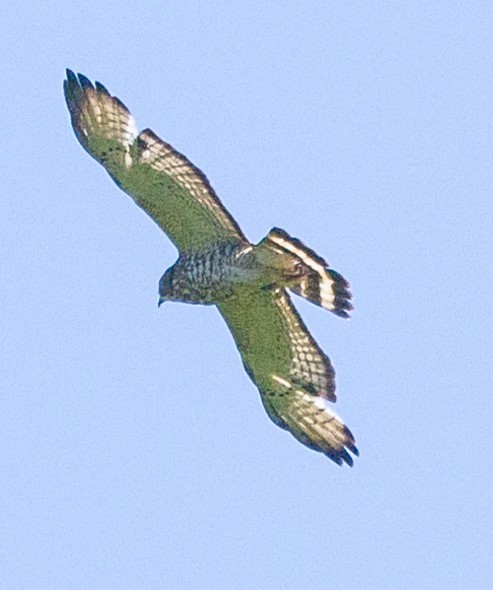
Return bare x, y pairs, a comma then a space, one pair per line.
173, 288
166, 286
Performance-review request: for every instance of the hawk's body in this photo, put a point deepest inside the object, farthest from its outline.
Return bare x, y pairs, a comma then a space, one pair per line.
217, 265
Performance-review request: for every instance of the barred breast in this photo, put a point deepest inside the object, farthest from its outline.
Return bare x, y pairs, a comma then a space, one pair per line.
210, 276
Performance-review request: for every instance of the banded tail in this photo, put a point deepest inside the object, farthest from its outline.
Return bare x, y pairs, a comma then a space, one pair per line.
318, 283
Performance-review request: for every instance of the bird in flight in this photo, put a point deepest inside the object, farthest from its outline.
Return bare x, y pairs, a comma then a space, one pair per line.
249, 284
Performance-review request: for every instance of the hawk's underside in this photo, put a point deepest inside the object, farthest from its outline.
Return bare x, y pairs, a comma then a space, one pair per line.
217, 265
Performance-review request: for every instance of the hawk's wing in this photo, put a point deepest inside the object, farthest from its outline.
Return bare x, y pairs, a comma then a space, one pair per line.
175, 193
294, 377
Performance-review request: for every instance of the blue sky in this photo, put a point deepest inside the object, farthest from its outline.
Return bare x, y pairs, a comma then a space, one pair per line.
134, 450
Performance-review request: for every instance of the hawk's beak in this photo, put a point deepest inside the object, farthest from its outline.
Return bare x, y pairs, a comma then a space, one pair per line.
161, 300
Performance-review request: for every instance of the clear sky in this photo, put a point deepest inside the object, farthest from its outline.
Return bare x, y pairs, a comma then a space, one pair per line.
134, 450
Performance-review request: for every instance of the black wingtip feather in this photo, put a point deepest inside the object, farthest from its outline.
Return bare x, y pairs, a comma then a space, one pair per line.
75, 82
71, 91
71, 77
101, 88
346, 457
85, 82
340, 457
70, 84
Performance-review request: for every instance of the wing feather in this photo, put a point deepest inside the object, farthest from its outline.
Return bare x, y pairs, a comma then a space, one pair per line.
295, 378
163, 182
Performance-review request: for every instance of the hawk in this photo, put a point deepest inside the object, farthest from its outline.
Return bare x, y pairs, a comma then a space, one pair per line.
218, 266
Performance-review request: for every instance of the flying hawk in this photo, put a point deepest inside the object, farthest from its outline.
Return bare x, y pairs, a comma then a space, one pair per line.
218, 266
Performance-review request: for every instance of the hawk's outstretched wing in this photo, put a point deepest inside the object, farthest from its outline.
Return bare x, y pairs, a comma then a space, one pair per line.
294, 377
163, 182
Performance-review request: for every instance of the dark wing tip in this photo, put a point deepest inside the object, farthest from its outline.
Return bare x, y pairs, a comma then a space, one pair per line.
80, 81
346, 457
71, 77
101, 88
72, 91
71, 83
342, 456
85, 82
74, 87
79, 90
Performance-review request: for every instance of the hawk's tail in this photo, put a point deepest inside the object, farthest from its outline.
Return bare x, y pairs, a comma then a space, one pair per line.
316, 282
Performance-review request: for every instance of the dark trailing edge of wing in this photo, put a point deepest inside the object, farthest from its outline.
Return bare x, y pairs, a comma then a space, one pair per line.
101, 88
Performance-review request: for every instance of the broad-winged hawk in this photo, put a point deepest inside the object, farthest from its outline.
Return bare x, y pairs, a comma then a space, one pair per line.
217, 265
